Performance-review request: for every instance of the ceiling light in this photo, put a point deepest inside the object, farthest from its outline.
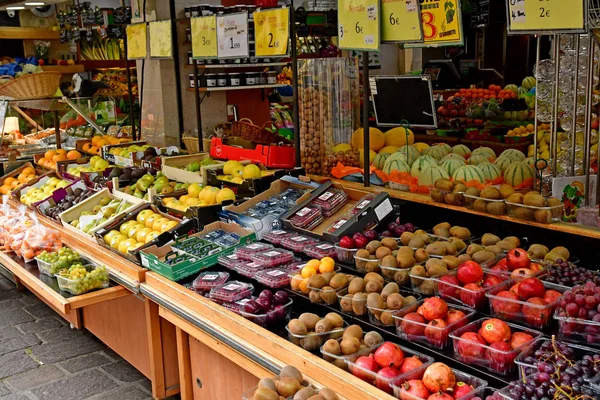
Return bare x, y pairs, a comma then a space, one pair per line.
15, 8
35, 3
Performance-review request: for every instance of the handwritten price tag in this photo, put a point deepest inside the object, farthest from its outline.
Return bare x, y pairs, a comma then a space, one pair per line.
272, 32
232, 35
548, 16
442, 24
161, 42
358, 25
137, 36
204, 37
401, 21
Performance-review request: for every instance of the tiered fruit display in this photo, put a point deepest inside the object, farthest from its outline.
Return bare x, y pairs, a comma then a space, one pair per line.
350, 346
236, 172
106, 208
137, 232
78, 280
535, 207
11, 183
160, 183
59, 260
199, 196
579, 319
33, 195
69, 201
289, 383
309, 331
51, 157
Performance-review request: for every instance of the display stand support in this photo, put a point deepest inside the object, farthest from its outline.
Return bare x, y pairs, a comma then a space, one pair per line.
295, 106
57, 129
177, 69
198, 112
129, 90
366, 130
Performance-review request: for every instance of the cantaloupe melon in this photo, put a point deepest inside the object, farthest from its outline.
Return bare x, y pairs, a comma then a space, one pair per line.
468, 173
421, 146
429, 175
399, 137
376, 139
389, 149
420, 164
398, 156
446, 146
452, 164
513, 154
461, 150
504, 162
379, 160
517, 173
411, 153
397, 164
438, 151
490, 171
485, 151
478, 159
453, 156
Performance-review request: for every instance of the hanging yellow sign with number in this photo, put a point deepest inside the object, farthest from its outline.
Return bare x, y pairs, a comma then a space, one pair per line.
358, 25
204, 37
136, 41
442, 23
272, 32
401, 21
532, 16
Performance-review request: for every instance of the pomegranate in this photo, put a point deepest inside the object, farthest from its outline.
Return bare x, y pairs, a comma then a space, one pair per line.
456, 317
436, 333
450, 287
472, 295
384, 376
501, 356
434, 308
552, 296
440, 396
535, 267
413, 324
413, 389
531, 287
517, 258
491, 280
469, 272
389, 355
506, 308
461, 389
520, 339
409, 364
365, 364
500, 266
420, 310
471, 345
438, 377
495, 330
521, 273
514, 288
536, 314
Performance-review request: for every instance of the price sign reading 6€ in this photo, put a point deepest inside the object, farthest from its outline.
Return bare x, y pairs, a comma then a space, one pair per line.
358, 25
272, 32
204, 37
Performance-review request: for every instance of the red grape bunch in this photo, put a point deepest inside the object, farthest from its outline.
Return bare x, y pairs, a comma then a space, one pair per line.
582, 302
567, 274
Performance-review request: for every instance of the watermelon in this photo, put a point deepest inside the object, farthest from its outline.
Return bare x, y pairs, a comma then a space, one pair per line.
490, 171
517, 173
379, 160
486, 151
468, 173
452, 164
528, 83
412, 153
438, 151
420, 164
504, 162
395, 164
522, 91
513, 88
478, 159
431, 174
461, 150
513, 154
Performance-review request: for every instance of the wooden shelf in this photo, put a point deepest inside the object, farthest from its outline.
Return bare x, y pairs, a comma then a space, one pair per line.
223, 88
227, 66
24, 32
64, 69
95, 64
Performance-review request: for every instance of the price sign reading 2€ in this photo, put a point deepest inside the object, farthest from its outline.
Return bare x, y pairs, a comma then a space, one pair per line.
204, 37
546, 16
358, 25
232, 35
272, 32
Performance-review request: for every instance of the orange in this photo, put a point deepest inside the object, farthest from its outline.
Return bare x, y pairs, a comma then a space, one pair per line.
59, 157
304, 286
9, 180
313, 264
307, 271
87, 147
326, 267
49, 154
62, 152
73, 155
43, 161
4, 189
295, 282
28, 171
101, 142
94, 150
16, 184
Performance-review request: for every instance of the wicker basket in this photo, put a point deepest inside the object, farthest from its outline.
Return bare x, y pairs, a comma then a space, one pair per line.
31, 86
191, 144
245, 129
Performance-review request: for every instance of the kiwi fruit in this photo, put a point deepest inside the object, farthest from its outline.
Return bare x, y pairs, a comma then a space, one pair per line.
372, 246
267, 383
480, 205
437, 270
374, 286
416, 271
316, 281
390, 243
460, 232
455, 199
335, 319
555, 203
450, 247
443, 225
358, 303
287, 386
490, 193
406, 250
562, 251
395, 301
472, 191
483, 256
458, 243
328, 394
361, 255
542, 216
406, 237
309, 320
317, 397
506, 245
382, 252
390, 288
409, 300
506, 190
291, 372
444, 184
496, 208
353, 331
463, 258
373, 266
315, 296
401, 277
516, 198
263, 393
473, 248
328, 295
515, 240
297, 327
524, 213
421, 255
388, 262
538, 251
372, 338
494, 249
324, 325
373, 276
459, 188
437, 195
442, 232
534, 199
374, 300
356, 285
311, 342
428, 287
434, 262
420, 232
489, 239
404, 260
451, 262
386, 318
339, 281
417, 241
436, 249
346, 303
552, 257
305, 393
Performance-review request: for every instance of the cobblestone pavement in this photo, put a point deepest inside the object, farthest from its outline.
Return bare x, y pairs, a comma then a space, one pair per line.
42, 358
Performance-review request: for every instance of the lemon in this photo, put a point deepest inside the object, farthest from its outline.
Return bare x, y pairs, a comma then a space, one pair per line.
224, 195
194, 190
251, 171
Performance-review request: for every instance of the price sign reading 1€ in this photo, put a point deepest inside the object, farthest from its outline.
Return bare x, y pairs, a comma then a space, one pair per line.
232, 35
204, 37
358, 25
548, 16
272, 32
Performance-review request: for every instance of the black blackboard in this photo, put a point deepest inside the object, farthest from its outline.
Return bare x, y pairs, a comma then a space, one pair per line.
404, 98
480, 13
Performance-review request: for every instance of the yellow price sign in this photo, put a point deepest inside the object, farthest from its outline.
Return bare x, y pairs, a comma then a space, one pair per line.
358, 25
204, 37
272, 32
536, 16
442, 24
401, 21
136, 41
161, 42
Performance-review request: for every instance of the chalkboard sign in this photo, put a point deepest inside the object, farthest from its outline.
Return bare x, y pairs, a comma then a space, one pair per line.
404, 98
480, 13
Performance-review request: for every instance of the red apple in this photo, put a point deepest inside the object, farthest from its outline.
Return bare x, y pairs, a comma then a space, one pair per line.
494, 330
472, 345
501, 264
531, 287
469, 272
515, 289
361, 241
450, 287
413, 324
506, 308
536, 314
519, 339
517, 258
472, 295
389, 355
347, 242
436, 333
434, 308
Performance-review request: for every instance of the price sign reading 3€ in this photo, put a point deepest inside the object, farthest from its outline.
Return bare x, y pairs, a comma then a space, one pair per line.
272, 32
204, 37
232, 35
358, 25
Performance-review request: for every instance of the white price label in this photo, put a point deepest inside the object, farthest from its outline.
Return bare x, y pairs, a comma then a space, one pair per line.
324, 246
232, 35
254, 246
372, 13
278, 233
411, 6
326, 196
210, 277
299, 239
232, 257
303, 212
272, 253
339, 224
363, 203
232, 287
276, 272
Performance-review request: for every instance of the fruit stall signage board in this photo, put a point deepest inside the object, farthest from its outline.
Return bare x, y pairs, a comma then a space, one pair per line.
546, 16
442, 23
358, 25
161, 39
272, 32
204, 37
136, 41
401, 21
232, 35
